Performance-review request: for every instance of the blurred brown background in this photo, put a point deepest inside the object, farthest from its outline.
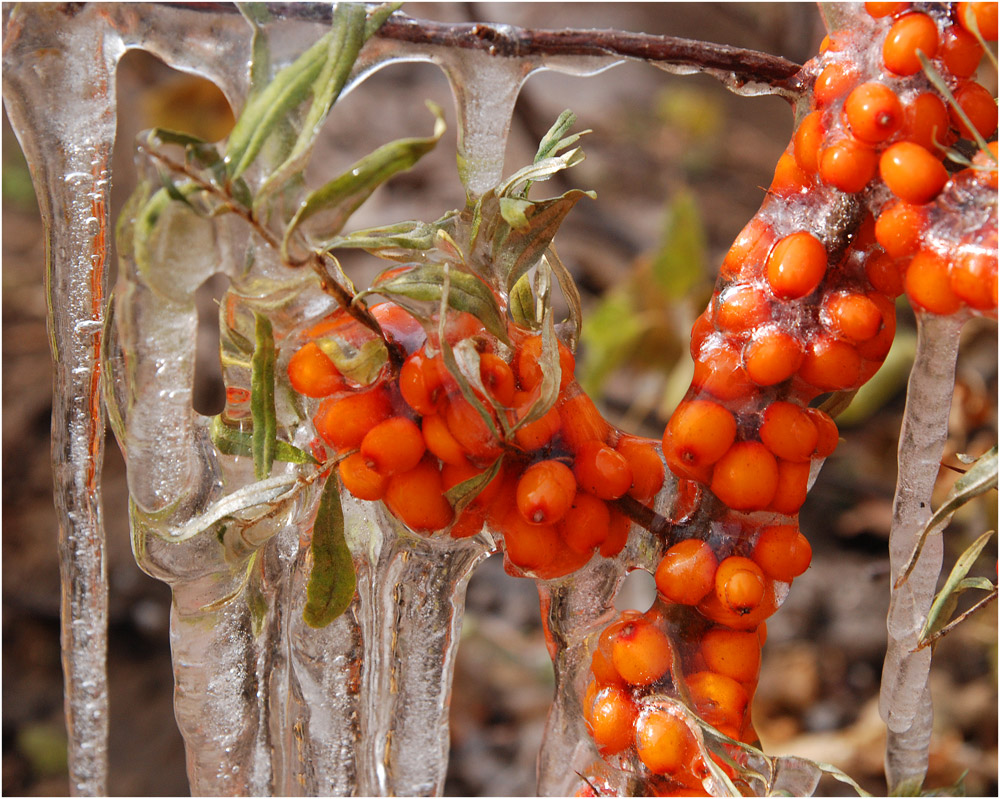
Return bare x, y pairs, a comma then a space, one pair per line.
665, 151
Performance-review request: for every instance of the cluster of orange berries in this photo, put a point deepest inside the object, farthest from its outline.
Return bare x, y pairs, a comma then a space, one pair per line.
861, 209
411, 436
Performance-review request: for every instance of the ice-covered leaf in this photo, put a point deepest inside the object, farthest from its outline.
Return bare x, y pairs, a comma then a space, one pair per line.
548, 361
332, 579
393, 242
571, 294
521, 304
954, 107
957, 583
360, 364
461, 494
262, 410
555, 138
233, 441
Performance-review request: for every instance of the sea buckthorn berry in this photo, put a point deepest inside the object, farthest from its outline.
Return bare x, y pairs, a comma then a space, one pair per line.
796, 265
601, 471
973, 278
986, 163
833, 83
782, 552
611, 720
416, 497
789, 177
912, 173
361, 480
469, 429
927, 123
851, 315
741, 307
731, 653
419, 383
604, 670
830, 364
662, 741
885, 275
909, 34
702, 328
877, 347
746, 477
535, 435
848, 165
545, 492
312, 373
874, 112
586, 523
981, 16
878, 10
927, 284
788, 432
647, 468
618, 529
686, 572
529, 371
719, 699
961, 52
826, 428
772, 356
528, 546
641, 653
900, 229
979, 106
395, 445
439, 440
739, 584
581, 422
454, 473
497, 377
807, 140
343, 422
469, 522
749, 250
718, 370
713, 610
793, 484
698, 434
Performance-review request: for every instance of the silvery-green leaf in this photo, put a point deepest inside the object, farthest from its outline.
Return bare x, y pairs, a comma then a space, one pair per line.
232, 441
957, 583
262, 410
360, 364
522, 304
332, 578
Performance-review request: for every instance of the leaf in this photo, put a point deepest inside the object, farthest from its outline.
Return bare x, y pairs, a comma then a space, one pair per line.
954, 106
332, 579
262, 411
553, 141
953, 624
515, 212
521, 303
571, 294
461, 494
360, 364
233, 441
467, 293
957, 583
338, 199
403, 241
981, 477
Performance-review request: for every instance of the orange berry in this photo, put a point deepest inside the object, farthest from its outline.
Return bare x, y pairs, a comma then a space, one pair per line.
718, 370
848, 165
830, 364
961, 52
772, 356
580, 422
732, 653
927, 123
601, 471
646, 466
986, 161
313, 374
528, 546
749, 250
796, 265
686, 572
362, 481
641, 653
739, 584
746, 477
912, 173
720, 700
878, 10
420, 383
807, 140
782, 552
604, 670
909, 34
788, 432
877, 347
884, 273
927, 284
833, 83
417, 498
469, 522
973, 277
662, 741
741, 307
789, 177
611, 719
344, 421
395, 445
469, 429
900, 228
979, 106
539, 433
439, 440
826, 428
545, 492
713, 610
586, 523
454, 473
793, 485
497, 377
873, 111
698, 434
618, 530
981, 16
529, 371
566, 561
851, 315
702, 328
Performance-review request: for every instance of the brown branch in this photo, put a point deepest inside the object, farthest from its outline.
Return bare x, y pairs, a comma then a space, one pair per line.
647, 518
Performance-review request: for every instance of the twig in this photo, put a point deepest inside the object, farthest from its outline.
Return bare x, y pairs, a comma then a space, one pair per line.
956, 621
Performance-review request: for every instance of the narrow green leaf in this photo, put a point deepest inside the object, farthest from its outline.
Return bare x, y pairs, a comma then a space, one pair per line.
939, 83
332, 579
461, 494
552, 142
515, 212
403, 241
538, 171
571, 294
957, 583
981, 477
522, 304
378, 15
360, 364
548, 360
257, 14
262, 411
233, 441
990, 597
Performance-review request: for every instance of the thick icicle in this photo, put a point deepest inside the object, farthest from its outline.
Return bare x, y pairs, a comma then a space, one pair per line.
904, 702
59, 91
